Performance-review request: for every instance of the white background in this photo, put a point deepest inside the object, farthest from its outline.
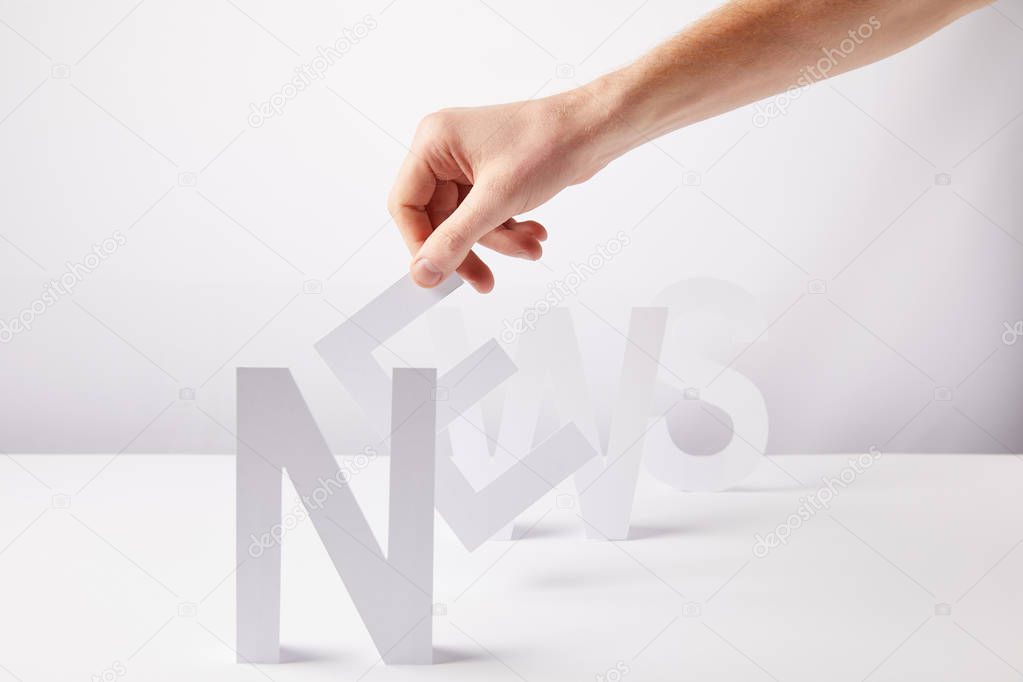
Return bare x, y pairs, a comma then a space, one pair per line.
106, 107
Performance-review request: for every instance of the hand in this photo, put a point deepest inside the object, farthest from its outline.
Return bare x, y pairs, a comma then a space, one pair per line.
470, 171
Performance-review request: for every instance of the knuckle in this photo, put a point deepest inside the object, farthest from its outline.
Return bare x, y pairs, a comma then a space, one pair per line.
434, 125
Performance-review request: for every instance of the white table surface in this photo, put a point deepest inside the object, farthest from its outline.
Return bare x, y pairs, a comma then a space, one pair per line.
856, 593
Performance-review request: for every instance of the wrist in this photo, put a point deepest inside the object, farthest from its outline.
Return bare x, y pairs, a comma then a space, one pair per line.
611, 116
647, 99
592, 131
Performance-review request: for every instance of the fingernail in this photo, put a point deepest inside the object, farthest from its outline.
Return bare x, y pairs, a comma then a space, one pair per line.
426, 273
523, 255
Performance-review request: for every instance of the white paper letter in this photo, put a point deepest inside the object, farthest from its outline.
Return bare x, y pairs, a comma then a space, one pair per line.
393, 594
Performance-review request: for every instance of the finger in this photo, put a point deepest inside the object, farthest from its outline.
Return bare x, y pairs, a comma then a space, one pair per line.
447, 246
530, 227
477, 273
412, 191
510, 242
442, 204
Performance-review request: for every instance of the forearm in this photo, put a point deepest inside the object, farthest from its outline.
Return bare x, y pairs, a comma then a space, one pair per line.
748, 50
472, 170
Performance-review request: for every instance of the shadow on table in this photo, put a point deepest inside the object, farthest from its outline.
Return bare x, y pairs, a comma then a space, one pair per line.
445, 654
292, 654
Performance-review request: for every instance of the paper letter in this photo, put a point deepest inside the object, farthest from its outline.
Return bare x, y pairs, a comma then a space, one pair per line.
472, 514
393, 594
607, 486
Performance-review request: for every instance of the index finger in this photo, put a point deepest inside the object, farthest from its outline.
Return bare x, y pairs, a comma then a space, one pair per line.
407, 201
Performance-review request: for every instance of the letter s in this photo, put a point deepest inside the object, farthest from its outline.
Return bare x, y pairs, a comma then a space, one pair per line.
716, 428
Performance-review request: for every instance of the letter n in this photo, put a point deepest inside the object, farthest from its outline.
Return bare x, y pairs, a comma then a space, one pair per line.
394, 593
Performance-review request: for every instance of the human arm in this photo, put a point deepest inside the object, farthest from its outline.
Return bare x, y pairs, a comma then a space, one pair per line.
470, 171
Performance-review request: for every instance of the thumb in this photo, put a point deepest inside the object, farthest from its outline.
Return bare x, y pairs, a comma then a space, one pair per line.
447, 246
